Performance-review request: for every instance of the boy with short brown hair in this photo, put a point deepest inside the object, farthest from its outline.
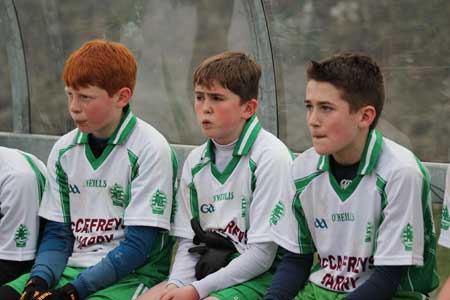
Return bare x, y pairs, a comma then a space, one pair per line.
227, 188
359, 200
108, 201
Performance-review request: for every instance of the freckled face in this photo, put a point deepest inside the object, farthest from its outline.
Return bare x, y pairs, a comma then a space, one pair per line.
93, 110
219, 113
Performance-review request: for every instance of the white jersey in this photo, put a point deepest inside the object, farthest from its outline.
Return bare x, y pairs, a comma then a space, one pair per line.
130, 184
22, 182
237, 201
444, 238
383, 217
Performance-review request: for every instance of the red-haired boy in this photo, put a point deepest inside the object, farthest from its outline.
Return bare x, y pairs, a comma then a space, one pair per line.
108, 201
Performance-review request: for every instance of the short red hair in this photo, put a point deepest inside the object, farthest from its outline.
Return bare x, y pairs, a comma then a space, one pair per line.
107, 65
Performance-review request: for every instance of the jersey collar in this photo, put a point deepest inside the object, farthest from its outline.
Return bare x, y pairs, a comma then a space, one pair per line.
122, 132
245, 142
369, 157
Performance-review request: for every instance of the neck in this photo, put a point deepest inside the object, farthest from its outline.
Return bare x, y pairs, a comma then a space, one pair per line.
352, 153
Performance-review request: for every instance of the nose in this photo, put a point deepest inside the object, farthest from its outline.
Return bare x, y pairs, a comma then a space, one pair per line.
207, 107
74, 104
312, 118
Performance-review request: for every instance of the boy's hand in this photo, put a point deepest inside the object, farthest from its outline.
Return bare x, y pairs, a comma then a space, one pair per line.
34, 287
183, 293
215, 255
211, 260
67, 292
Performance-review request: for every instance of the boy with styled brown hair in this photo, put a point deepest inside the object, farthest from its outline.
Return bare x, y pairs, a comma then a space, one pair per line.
109, 193
359, 200
227, 188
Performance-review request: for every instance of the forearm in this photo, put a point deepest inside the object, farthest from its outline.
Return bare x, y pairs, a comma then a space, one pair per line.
183, 269
119, 262
54, 251
381, 285
253, 262
291, 275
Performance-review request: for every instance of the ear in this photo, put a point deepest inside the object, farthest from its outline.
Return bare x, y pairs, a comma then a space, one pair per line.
123, 97
249, 108
367, 115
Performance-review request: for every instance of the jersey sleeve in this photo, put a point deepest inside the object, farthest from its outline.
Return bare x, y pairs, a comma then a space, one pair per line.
288, 223
444, 238
181, 224
55, 200
151, 189
19, 221
400, 238
272, 170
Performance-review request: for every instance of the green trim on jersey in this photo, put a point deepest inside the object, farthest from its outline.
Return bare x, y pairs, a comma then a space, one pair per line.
370, 153
381, 185
194, 201
305, 240
97, 162
63, 184
247, 137
174, 183
245, 142
252, 166
39, 176
133, 158
414, 279
369, 157
120, 135
347, 192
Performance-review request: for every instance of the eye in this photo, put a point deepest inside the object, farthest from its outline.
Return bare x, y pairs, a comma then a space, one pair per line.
217, 98
327, 108
199, 97
86, 97
308, 106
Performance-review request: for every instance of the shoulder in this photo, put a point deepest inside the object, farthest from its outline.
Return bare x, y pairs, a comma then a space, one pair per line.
306, 163
14, 163
145, 136
67, 140
269, 147
196, 156
396, 162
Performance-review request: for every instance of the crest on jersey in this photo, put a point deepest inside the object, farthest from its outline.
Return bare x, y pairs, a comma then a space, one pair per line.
117, 195
408, 237
21, 236
277, 213
369, 231
244, 205
445, 223
159, 202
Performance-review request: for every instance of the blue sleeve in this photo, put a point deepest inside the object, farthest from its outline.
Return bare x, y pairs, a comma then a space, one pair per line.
119, 262
291, 275
54, 250
381, 285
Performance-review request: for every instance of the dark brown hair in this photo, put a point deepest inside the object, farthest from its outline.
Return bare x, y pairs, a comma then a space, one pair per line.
357, 76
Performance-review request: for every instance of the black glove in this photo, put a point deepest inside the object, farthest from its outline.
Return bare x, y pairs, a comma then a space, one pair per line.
67, 292
34, 287
214, 255
211, 239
